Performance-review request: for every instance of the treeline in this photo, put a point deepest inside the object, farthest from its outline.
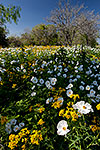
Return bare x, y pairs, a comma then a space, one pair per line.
43, 35
67, 25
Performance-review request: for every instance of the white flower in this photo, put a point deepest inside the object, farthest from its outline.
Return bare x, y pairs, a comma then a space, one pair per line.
99, 87
78, 76
49, 100
83, 108
69, 92
53, 81
92, 92
64, 75
33, 93
58, 74
65, 69
76, 71
16, 128
8, 125
95, 83
8, 130
47, 83
74, 79
34, 79
24, 70
70, 85
21, 124
41, 81
87, 87
82, 83
49, 87
70, 80
13, 121
81, 87
33, 87
62, 128
22, 67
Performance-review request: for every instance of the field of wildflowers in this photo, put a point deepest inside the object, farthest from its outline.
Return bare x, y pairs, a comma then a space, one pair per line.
50, 98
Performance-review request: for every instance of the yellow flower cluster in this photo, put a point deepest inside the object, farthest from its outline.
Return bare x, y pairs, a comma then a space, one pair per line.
74, 96
98, 106
41, 109
35, 137
14, 139
56, 104
40, 122
69, 113
94, 128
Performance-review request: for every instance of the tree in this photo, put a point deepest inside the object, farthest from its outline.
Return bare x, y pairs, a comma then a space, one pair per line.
71, 21
14, 41
9, 13
44, 34
27, 39
3, 39
88, 27
6, 15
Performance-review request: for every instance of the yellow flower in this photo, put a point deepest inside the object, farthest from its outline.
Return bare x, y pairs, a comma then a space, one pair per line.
1, 83
56, 104
23, 147
11, 137
41, 109
40, 122
24, 76
93, 128
14, 85
67, 114
74, 96
30, 109
61, 112
98, 106
3, 119
35, 137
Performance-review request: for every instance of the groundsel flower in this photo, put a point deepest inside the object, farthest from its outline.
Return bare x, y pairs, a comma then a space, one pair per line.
83, 108
62, 128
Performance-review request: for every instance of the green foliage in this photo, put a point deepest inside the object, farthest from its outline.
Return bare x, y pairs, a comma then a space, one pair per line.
9, 13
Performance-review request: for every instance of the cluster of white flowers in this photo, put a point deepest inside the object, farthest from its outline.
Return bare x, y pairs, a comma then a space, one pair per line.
82, 107
12, 124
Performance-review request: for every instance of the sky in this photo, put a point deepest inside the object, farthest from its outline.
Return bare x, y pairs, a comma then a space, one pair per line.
35, 11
